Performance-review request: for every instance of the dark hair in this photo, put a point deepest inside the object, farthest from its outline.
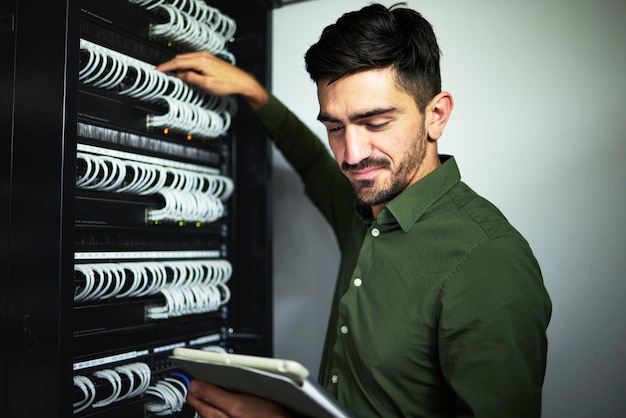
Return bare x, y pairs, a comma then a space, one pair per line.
377, 37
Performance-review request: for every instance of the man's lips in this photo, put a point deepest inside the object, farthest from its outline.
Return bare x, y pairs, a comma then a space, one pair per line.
364, 173
366, 169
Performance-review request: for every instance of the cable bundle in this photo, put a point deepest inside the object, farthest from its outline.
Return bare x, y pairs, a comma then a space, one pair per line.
181, 206
190, 196
124, 382
193, 24
190, 118
190, 110
107, 173
169, 394
189, 286
191, 33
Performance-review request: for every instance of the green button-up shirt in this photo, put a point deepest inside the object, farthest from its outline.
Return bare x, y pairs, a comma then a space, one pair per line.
440, 308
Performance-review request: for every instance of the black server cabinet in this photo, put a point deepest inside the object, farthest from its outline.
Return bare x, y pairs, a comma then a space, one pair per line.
94, 242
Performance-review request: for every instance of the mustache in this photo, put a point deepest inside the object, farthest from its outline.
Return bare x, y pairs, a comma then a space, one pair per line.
366, 163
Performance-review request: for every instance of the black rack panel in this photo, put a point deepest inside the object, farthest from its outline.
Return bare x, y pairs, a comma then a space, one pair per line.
110, 258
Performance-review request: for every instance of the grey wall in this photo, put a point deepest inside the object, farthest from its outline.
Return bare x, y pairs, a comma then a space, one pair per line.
539, 129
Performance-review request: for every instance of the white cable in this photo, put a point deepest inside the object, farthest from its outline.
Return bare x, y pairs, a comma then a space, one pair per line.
117, 281
130, 376
81, 294
104, 279
116, 386
89, 391
144, 373
89, 168
97, 67
116, 175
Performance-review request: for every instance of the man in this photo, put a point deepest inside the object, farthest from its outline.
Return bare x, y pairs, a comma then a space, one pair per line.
439, 308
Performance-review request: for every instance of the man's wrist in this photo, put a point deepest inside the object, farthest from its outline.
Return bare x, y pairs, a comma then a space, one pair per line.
257, 98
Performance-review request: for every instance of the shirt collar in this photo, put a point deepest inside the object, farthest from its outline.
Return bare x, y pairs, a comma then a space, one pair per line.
406, 208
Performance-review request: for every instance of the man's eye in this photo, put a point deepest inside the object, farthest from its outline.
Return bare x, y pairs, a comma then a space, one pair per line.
376, 126
335, 128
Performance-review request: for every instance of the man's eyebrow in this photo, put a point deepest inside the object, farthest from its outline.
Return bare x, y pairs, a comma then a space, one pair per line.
357, 116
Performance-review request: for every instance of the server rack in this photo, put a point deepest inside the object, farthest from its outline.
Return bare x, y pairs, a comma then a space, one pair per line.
69, 251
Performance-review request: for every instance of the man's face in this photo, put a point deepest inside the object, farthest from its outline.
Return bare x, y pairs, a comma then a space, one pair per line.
376, 133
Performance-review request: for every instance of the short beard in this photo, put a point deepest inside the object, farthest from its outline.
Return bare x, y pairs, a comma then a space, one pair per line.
365, 193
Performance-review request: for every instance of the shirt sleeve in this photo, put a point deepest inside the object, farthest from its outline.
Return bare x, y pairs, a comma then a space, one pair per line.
492, 331
324, 183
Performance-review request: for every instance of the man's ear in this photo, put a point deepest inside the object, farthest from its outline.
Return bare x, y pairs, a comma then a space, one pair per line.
437, 114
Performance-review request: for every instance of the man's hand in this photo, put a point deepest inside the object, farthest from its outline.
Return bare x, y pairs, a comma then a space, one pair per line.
216, 76
211, 401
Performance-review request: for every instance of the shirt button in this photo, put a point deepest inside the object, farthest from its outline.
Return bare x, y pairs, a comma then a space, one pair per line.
375, 232
344, 329
358, 282
334, 378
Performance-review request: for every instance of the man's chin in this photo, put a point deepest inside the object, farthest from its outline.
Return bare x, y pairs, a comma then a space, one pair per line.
366, 197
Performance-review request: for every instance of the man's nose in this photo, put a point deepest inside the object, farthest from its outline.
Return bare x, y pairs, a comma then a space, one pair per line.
356, 146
